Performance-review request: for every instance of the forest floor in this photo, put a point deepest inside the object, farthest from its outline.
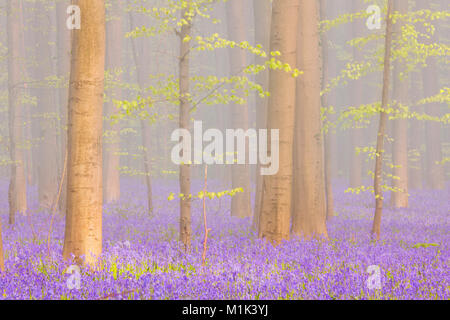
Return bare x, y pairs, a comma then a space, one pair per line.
143, 260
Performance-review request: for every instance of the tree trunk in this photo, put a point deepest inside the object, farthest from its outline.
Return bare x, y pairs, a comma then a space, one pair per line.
277, 188
17, 193
433, 140
399, 199
325, 9
63, 70
83, 234
240, 173
262, 16
114, 42
143, 71
185, 169
356, 160
309, 215
48, 150
416, 132
378, 180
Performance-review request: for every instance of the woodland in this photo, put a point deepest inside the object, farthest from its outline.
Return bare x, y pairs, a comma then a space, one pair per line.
224, 150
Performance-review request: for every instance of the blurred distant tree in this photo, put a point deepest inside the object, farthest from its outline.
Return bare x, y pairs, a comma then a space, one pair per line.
236, 22
17, 187
262, 17
63, 71
114, 66
83, 233
46, 102
399, 199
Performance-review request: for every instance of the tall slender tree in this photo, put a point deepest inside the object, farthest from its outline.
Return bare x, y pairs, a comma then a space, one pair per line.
357, 95
63, 70
143, 70
309, 212
185, 169
262, 16
378, 178
17, 193
83, 232
46, 97
433, 138
240, 173
114, 46
399, 199
328, 71
277, 188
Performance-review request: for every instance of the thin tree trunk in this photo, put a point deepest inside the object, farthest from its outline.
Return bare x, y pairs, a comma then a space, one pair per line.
309, 215
356, 159
240, 173
83, 234
277, 188
63, 70
262, 16
48, 155
17, 193
185, 169
433, 140
416, 132
399, 199
143, 70
114, 42
325, 8
378, 180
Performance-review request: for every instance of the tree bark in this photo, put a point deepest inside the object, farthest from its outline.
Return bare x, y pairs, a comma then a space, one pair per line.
262, 17
399, 199
48, 155
356, 160
430, 80
240, 173
17, 193
277, 188
83, 232
378, 180
63, 70
417, 133
185, 169
143, 69
309, 215
325, 9
114, 42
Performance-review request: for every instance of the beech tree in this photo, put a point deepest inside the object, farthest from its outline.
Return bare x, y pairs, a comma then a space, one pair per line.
114, 43
240, 203
83, 232
382, 126
309, 212
262, 16
185, 169
17, 193
46, 102
399, 199
277, 189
